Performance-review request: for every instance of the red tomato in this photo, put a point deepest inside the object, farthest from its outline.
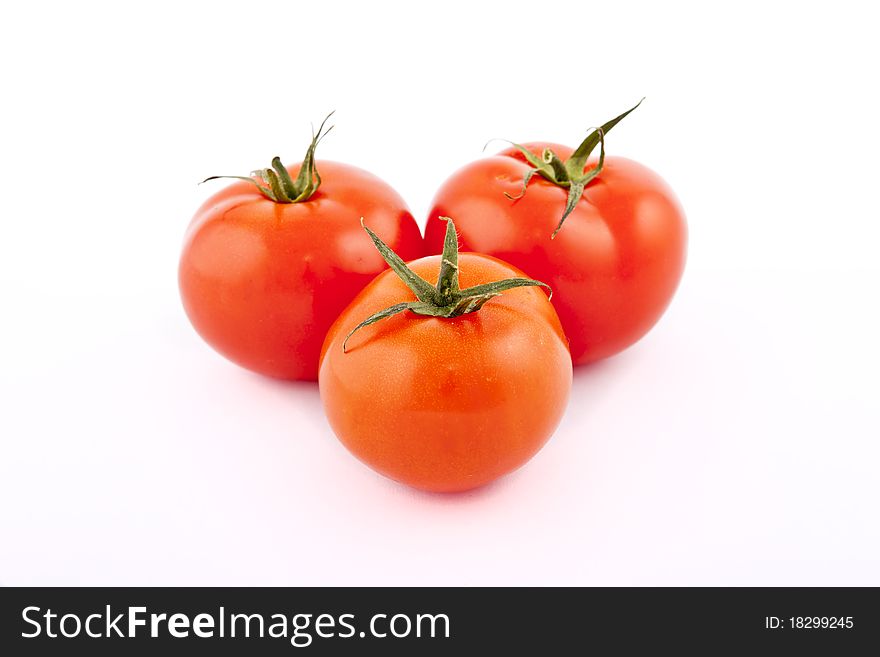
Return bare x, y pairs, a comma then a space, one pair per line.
446, 403
262, 281
613, 266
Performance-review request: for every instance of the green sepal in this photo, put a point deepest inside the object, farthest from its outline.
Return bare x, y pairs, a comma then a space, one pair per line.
522, 192
423, 290
308, 179
265, 191
575, 191
284, 176
557, 167
531, 158
372, 319
570, 173
472, 304
275, 182
497, 287
578, 160
445, 299
447, 280
278, 192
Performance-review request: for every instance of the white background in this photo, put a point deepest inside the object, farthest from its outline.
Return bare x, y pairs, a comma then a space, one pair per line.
736, 444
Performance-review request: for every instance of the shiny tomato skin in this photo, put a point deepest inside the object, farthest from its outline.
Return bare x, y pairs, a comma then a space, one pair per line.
613, 267
262, 281
447, 405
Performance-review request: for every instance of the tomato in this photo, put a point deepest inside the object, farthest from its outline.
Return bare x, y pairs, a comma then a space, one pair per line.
613, 265
446, 403
262, 281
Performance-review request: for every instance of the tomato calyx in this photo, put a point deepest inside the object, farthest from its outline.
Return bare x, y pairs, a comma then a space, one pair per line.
445, 299
569, 174
275, 182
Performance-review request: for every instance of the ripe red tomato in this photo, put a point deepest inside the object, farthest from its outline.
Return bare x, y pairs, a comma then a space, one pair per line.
446, 403
614, 264
262, 281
